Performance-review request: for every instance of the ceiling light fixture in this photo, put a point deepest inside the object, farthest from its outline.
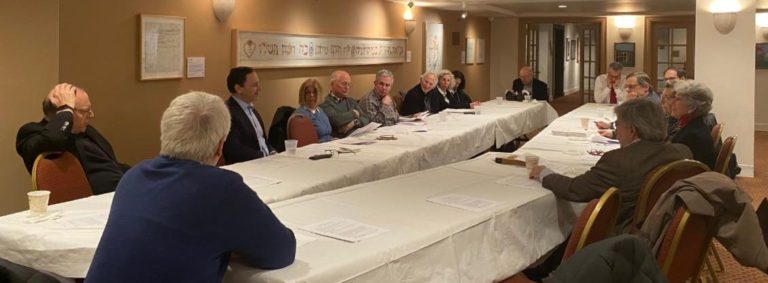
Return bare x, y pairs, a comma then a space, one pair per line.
464, 8
562, 6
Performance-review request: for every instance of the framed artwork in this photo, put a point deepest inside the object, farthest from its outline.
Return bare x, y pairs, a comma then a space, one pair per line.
162, 47
480, 51
761, 55
567, 49
277, 50
470, 51
624, 53
433, 47
572, 49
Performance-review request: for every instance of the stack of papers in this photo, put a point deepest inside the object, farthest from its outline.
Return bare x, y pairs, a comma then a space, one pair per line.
365, 129
344, 229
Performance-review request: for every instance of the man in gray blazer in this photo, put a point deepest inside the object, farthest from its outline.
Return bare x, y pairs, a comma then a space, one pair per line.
641, 131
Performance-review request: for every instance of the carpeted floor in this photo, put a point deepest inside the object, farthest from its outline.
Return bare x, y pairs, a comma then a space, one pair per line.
756, 187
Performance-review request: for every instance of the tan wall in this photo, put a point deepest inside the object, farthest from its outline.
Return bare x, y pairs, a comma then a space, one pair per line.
29, 36
504, 49
637, 36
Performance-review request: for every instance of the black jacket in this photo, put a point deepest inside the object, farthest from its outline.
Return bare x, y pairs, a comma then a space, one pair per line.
415, 101
698, 137
538, 87
242, 144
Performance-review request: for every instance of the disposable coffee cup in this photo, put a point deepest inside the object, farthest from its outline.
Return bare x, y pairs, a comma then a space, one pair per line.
531, 161
290, 146
443, 115
38, 201
499, 99
584, 123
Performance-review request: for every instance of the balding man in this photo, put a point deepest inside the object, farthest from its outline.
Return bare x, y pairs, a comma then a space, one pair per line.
415, 99
66, 127
343, 111
527, 83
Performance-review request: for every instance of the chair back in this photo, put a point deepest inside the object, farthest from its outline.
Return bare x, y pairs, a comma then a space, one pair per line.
717, 131
278, 131
300, 128
595, 222
684, 246
398, 99
659, 181
724, 156
62, 174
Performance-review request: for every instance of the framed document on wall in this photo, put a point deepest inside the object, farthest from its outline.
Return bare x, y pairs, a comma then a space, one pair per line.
470, 51
162, 47
433, 47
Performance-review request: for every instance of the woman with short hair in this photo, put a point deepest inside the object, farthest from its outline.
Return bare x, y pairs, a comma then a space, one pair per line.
691, 103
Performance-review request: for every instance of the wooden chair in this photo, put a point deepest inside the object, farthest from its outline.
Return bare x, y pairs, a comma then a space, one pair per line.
659, 181
684, 246
300, 128
717, 131
595, 222
62, 174
724, 156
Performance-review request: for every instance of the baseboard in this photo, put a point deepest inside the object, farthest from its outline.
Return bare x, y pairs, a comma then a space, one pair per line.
747, 171
763, 127
571, 91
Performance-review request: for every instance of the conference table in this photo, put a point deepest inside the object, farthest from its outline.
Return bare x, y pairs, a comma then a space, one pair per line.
469, 221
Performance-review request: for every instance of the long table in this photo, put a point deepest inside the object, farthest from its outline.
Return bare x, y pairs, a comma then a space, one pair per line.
424, 241
283, 176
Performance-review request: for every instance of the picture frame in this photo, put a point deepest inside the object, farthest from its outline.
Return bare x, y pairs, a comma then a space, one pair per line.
567, 49
433, 46
471, 49
572, 50
480, 51
161, 40
761, 55
624, 53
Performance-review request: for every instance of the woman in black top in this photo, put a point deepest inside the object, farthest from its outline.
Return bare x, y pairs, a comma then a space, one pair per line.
691, 103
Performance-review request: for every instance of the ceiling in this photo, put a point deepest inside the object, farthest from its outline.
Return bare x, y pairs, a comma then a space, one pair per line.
533, 8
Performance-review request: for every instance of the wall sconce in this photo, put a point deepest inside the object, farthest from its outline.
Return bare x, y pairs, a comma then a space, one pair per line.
724, 14
410, 24
223, 9
625, 24
761, 19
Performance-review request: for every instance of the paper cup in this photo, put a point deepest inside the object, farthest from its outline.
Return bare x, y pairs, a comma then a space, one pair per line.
584, 123
38, 201
443, 115
531, 161
290, 146
499, 99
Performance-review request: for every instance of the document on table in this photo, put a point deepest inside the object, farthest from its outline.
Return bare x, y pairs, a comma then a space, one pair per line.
367, 128
464, 202
519, 180
92, 221
255, 181
344, 229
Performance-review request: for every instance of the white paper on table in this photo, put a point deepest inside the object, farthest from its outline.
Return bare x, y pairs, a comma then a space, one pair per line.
412, 123
567, 133
601, 139
464, 202
255, 181
365, 129
92, 221
521, 181
462, 111
344, 229
303, 239
355, 141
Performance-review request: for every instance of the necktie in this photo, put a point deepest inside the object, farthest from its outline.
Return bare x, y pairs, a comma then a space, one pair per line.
613, 96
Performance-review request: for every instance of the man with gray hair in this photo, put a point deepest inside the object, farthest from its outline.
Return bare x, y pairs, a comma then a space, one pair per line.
343, 111
377, 104
609, 88
638, 85
415, 99
178, 217
641, 131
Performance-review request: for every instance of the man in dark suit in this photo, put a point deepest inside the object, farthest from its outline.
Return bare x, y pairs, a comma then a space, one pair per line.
526, 82
247, 138
415, 100
66, 127
641, 131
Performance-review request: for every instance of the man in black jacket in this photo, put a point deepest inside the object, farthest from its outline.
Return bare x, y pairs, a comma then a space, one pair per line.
526, 82
66, 127
247, 138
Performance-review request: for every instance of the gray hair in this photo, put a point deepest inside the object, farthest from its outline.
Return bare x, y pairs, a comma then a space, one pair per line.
335, 75
645, 116
448, 73
193, 125
427, 73
642, 79
616, 66
695, 95
384, 73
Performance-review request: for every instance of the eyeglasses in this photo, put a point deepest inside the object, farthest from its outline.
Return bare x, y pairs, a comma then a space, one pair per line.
345, 84
85, 112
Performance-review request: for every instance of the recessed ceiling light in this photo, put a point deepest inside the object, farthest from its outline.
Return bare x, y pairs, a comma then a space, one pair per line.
561, 6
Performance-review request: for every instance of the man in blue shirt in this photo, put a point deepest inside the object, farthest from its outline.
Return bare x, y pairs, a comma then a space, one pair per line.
247, 136
178, 218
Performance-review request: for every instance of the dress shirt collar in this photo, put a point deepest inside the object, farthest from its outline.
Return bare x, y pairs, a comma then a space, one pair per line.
245, 105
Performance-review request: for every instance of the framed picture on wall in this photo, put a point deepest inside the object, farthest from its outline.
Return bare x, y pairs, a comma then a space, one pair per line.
761, 55
470, 51
480, 51
624, 53
572, 49
433, 47
162, 47
567, 49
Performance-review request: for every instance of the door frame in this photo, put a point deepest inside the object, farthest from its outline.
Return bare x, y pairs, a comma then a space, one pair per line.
651, 48
523, 22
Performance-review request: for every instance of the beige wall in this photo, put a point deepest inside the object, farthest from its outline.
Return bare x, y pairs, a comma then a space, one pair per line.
735, 50
637, 36
572, 67
29, 36
504, 48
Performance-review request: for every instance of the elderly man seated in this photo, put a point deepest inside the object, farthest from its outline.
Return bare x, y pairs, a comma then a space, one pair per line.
415, 100
178, 217
377, 104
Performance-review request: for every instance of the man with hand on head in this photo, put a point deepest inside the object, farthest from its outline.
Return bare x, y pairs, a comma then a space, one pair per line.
609, 87
66, 127
178, 217
377, 104
343, 111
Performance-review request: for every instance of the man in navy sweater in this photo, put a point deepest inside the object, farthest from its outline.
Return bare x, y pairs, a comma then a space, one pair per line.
177, 217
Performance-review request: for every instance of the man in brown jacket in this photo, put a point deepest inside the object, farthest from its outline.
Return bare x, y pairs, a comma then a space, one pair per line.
641, 131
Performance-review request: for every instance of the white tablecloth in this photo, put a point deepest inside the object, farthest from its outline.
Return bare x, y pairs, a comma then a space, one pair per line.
458, 138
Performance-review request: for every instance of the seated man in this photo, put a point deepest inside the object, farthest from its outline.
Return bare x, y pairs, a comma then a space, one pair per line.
641, 130
377, 104
178, 217
65, 127
526, 83
639, 85
343, 112
609, 88
247, 138
415, 99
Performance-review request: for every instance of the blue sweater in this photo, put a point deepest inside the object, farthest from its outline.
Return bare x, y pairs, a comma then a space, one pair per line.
178, 221
321, 122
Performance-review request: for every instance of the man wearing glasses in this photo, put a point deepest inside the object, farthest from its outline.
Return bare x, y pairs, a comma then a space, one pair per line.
638, 85
343, 111
609, 88
65, 127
